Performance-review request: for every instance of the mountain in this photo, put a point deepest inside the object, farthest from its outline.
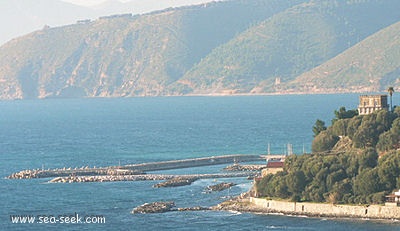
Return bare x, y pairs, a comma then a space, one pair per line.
238, 46
372, 65
123, 55
265, 57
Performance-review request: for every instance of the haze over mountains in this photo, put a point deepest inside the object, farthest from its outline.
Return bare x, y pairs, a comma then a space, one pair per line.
230, 47
19, 17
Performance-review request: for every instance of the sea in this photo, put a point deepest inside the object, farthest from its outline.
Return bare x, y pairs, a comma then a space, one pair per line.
58, 133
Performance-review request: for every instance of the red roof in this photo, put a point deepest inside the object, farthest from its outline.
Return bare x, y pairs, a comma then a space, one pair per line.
275, 164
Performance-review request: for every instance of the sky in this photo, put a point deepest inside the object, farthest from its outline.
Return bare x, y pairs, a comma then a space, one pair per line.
89, 2
171, 2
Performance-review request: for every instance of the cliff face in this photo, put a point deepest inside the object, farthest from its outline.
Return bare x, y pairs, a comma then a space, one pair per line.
218, 48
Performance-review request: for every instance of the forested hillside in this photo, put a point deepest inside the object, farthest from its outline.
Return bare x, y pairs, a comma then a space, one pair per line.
355, 160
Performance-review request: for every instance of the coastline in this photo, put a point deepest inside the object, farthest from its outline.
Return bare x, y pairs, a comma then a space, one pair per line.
306, 209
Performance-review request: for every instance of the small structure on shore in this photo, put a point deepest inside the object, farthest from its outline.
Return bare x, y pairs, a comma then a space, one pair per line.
275, 164
393, 199
273, 167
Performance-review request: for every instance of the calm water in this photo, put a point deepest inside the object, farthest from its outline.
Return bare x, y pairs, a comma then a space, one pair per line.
102, 132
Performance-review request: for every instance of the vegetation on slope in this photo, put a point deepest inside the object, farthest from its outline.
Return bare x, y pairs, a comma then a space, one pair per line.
237, 46
371, 65
345, 166
123, 55
268, 55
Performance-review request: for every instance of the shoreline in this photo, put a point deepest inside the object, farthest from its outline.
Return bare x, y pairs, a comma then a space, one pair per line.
283, 208
321, 92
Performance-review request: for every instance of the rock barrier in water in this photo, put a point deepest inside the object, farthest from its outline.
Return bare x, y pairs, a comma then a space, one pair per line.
132, 169
164, 206
219, 187
155, 207
65, 172
250, 167
176, 181
183, 179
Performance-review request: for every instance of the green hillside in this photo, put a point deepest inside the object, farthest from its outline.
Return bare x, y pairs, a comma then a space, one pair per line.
238, 46
123, 55
268, 55
371, 65
356, 160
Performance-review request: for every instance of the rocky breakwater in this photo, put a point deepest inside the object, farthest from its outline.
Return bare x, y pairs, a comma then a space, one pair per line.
164, 206
66, 172
171, 180
109, 178
176, 182
249, 167
219, 187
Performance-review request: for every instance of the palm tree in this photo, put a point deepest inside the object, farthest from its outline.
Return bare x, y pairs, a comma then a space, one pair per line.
391, 90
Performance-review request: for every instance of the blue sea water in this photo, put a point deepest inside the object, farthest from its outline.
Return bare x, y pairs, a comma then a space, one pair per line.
102, 132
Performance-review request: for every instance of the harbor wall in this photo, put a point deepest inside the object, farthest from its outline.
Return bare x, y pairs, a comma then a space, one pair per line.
196, 162
134, 169
327, 210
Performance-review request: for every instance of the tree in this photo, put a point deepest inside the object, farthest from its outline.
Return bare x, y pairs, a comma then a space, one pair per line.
343, 114
391, 90
367, 183
318, 127
296, 182
324, 142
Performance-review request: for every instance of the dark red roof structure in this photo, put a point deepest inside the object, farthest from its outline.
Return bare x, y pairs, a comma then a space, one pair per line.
275, 164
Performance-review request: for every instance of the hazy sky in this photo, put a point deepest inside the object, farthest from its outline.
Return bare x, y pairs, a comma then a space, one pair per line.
89, 2
171, 2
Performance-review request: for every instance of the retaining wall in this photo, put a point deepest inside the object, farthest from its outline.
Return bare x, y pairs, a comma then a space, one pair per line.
328, 210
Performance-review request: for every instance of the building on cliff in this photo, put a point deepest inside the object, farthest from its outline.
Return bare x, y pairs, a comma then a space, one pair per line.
273, 167
370, 103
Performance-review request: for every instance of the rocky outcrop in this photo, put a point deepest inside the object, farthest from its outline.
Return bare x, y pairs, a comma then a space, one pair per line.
176, 181
155, 207
219, 187
164, 206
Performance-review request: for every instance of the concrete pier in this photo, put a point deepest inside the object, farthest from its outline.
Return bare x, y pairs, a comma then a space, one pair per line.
134, 169
195, 162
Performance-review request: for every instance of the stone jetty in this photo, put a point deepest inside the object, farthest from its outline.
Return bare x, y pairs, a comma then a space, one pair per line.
82, 179
195, 162
109, 178
250, 167
133, 169
84, 171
